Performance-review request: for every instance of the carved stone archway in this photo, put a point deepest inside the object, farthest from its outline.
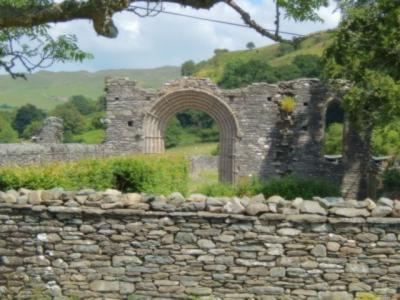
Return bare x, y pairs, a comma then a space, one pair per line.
157, 118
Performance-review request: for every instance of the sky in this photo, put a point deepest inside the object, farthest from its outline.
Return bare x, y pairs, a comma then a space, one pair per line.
170, 40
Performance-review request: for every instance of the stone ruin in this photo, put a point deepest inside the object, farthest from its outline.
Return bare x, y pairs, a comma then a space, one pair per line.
257, 138
51, 132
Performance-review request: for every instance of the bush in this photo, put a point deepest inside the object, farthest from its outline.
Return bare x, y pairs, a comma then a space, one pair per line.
291, 187
218, 190
391, 180
367, 296
150, 174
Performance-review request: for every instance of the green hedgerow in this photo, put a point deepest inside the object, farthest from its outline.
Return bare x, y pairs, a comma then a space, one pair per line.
158, 174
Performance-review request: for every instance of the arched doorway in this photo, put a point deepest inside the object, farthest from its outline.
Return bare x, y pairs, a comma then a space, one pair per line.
157, 118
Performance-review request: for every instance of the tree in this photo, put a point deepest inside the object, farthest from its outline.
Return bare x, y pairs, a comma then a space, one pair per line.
84, 105
22, 20
25, 115
239, 73
309, 65
7, 133
250, 45
74, 122
366, 52
188, 68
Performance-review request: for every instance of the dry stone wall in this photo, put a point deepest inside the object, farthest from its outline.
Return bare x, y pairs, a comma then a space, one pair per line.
105, 245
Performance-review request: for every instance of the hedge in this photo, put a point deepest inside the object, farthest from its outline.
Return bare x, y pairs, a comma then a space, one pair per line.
156, 174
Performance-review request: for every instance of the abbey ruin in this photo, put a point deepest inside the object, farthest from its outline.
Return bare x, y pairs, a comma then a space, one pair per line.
257, 137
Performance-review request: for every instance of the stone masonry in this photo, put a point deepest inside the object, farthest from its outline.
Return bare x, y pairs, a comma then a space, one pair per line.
252, 139
249, 119
108, 245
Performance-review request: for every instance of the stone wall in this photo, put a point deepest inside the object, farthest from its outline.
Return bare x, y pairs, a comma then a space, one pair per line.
200, 163
25, 154
108, 246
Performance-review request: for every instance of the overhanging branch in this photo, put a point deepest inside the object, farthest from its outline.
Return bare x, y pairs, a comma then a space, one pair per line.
253, 24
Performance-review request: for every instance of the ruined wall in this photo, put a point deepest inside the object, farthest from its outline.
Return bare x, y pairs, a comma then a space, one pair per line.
108, 246
252, 142
258, 146
201, 163
25, 154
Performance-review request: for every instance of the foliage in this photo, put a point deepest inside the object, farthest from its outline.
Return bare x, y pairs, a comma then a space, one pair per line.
288, 187
25, 115
250, 45
284, 48
173, 133
151, 174
333, 142
7, 133
96, 120
215, 151
239, 73
74, 122
291, 187
95, 136
84, 105
288, 104
220, 51
188, 68
313, 44
287, 72
217, 189
32, 129
385, 139
34, 47
309, 65
191, 126
391, 180
366, 52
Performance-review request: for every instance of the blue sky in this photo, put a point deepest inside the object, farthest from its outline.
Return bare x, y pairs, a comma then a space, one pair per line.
169, 40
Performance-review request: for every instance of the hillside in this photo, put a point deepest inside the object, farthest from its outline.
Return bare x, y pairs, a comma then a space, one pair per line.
47, 89
274, 55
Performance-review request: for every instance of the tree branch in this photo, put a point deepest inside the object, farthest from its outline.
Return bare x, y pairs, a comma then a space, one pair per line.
99, 11
253, 24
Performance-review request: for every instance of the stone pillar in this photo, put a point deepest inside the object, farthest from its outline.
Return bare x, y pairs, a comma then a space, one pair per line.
51, 132
356, 160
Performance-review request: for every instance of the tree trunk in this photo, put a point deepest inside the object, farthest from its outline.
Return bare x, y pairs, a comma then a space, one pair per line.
356, 161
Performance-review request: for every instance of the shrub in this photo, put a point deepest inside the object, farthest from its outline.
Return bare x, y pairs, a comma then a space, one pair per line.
288, 104
391, 180
291, 187
218, 190
150, 174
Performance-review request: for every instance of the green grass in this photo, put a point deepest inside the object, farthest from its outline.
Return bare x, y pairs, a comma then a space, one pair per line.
48, 89
90, 137
193, 149
313, 44
206, 177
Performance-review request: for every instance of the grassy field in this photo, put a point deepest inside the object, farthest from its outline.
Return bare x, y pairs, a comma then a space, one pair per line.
90, 137
194, 149
47, 89
313, 44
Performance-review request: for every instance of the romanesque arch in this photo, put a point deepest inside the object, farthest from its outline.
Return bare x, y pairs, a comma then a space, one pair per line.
156, 121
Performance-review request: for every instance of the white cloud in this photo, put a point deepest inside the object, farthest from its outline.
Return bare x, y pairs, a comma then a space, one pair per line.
170, 40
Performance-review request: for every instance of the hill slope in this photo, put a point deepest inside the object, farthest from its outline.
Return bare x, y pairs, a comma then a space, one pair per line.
47, 89
274, 55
